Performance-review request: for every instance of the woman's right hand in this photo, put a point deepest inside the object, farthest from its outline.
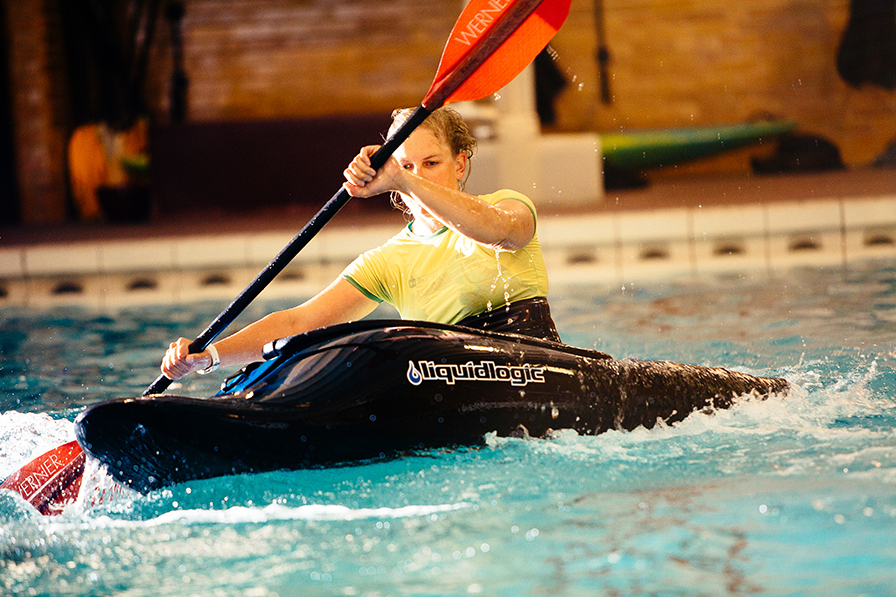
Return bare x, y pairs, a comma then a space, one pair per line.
178, 361
361, 180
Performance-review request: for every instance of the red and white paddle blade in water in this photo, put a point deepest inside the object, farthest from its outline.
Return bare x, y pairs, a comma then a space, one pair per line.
518, 30
56, 480
51, 481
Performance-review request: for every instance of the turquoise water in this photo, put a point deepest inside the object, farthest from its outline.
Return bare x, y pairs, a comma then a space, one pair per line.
793, 496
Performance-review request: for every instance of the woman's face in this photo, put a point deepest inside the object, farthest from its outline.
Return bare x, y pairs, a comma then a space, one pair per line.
427, 156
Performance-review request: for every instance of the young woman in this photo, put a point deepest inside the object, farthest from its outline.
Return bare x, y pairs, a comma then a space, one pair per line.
463, 259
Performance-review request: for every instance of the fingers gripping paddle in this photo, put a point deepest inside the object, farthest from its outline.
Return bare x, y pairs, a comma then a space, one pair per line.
491, 43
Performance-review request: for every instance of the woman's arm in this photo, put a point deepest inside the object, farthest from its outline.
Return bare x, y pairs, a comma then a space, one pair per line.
508, 225
338, 303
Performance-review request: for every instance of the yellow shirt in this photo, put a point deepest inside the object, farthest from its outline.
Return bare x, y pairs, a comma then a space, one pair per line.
446, 277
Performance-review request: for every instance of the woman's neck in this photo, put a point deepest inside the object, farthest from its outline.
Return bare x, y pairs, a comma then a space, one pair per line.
423, 226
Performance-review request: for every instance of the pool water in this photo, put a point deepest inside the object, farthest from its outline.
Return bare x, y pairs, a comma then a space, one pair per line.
793, 496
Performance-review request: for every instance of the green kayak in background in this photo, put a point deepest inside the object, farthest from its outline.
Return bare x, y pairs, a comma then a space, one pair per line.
642, 150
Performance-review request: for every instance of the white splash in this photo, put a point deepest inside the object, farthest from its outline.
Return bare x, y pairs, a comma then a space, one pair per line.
25, 436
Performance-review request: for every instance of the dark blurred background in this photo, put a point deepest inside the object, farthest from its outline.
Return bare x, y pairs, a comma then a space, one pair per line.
236, 104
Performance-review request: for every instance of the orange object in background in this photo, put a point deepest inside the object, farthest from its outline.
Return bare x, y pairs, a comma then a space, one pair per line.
96, 155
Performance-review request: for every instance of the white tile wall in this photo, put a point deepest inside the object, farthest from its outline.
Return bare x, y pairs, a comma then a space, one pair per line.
588, 248
804, 216
43, 260
655, 225
12, 262
731, 253
137, 256
586, 230
739, 221
879, 211
210, 251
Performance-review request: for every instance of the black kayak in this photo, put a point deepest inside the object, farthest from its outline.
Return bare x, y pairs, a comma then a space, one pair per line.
381, 388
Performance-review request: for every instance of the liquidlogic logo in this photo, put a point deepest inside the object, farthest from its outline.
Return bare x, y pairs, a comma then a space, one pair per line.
516, 375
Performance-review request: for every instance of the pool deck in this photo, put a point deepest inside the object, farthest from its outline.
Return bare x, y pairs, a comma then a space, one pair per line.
740, 224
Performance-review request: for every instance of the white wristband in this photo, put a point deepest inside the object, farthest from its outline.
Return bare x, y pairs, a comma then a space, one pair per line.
216, 360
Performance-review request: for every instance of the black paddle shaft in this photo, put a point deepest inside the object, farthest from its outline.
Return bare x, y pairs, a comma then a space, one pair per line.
299, 241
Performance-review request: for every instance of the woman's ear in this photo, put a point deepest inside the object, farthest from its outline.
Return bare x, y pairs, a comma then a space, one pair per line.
460, 166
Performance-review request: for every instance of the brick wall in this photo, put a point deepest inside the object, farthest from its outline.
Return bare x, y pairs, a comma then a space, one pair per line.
250, 59
39, 132
674, 63
684, 62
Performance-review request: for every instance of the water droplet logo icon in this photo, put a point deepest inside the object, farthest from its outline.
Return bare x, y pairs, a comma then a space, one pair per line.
414, 376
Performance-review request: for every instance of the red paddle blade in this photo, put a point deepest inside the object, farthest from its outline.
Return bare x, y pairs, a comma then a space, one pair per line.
491, 43
52, 480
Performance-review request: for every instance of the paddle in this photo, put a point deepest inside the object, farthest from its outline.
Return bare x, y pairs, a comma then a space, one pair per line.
51, 480
491, 43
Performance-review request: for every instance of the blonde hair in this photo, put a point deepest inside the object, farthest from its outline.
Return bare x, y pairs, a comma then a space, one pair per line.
447, 124
449, 127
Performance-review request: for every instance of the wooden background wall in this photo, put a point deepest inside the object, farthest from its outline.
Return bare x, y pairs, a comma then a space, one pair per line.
674, 63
